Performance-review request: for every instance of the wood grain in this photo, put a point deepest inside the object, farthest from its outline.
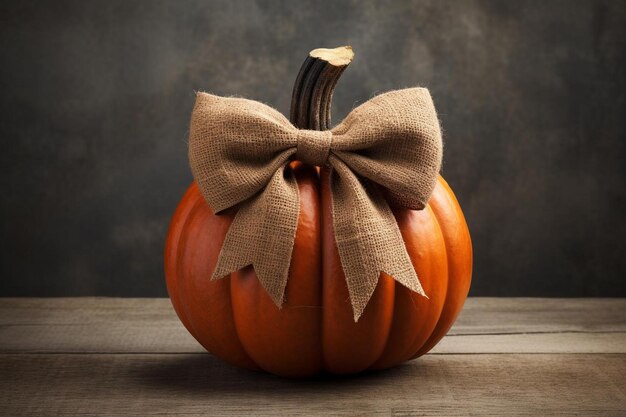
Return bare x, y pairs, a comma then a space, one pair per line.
458, 385
145, 325
109, 357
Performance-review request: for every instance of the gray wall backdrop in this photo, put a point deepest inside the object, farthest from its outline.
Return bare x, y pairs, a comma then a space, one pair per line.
95, 99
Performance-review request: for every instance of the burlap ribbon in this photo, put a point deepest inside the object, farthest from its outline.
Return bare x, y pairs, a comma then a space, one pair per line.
388, 150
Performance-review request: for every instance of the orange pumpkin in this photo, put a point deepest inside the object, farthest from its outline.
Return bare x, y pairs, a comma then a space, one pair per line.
235, 319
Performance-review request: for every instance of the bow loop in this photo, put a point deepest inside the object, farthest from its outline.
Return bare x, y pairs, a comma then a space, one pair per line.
235, 147
394, 139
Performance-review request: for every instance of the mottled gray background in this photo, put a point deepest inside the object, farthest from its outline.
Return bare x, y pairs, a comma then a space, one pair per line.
95, 100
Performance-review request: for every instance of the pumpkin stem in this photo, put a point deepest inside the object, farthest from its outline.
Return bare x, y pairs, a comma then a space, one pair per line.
314, 87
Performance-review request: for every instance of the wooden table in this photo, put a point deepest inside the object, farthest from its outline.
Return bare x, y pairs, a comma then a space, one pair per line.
506, 356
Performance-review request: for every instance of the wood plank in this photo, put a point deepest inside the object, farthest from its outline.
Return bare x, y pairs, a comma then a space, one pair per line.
487, 325
128, 338
532, 343
480, 315
451, 385
91, 324
84, 310
487, 315
104, 337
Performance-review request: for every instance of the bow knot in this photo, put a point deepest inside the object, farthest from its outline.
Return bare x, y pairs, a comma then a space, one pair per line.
313, 146
388, 150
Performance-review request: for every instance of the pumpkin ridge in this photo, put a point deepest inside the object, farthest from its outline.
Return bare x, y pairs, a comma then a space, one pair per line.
196, 205
415, 316
241, 358
387, 344
174, 237
444, 250
458, 286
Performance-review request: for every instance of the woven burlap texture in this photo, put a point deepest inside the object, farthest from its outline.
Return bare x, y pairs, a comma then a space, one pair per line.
387, 150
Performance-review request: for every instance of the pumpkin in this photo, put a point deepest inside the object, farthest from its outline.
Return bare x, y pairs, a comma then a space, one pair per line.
314, 331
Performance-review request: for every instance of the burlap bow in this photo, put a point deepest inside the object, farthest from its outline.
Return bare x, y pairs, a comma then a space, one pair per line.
389, 149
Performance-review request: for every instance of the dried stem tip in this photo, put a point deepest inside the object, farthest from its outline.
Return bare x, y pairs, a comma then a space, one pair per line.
340, 56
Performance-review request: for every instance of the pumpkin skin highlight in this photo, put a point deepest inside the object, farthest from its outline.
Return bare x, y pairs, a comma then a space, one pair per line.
314, 332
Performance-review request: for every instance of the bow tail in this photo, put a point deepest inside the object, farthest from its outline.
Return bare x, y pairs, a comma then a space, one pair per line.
368, 238
262, 234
